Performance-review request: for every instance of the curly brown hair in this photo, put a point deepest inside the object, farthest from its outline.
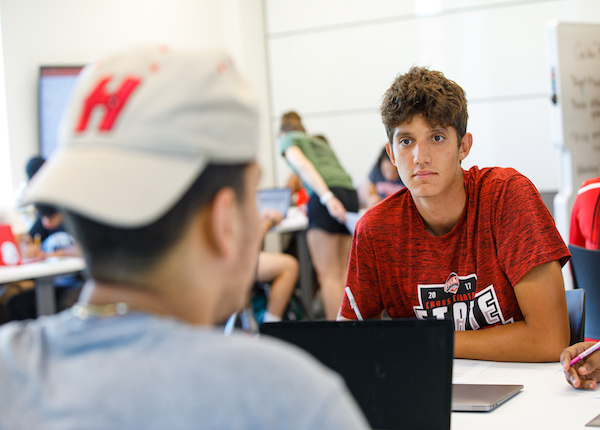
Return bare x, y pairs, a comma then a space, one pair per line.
421, 91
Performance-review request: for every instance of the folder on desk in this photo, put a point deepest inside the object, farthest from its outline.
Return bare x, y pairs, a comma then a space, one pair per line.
351, 220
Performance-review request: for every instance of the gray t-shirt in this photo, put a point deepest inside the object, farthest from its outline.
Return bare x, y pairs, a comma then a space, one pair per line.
147, 372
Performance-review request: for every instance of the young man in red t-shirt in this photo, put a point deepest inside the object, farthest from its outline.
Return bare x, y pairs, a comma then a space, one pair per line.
478, 246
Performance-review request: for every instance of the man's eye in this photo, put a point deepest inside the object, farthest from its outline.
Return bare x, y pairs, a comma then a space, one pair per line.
405, 142
438, 138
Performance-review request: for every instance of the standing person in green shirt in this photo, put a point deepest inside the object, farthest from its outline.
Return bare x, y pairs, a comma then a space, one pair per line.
331, 196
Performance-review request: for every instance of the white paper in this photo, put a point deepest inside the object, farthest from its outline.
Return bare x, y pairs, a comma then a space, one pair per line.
466, 371
351, 219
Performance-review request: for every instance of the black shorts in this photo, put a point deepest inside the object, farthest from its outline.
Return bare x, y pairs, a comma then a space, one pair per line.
318, 215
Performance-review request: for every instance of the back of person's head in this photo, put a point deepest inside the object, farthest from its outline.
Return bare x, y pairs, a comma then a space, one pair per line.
45, 210
148, 139
323, 138
33, 165
425, 92
291, 121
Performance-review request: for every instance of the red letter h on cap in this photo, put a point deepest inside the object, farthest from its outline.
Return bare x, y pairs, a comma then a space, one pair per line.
112, 102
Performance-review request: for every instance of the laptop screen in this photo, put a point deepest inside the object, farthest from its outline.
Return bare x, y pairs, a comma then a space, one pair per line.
399, 371
274, 198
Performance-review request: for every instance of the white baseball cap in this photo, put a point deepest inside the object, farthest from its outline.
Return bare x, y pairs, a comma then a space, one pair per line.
139, 129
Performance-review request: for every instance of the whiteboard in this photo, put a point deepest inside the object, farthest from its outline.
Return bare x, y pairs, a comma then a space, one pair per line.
574, 61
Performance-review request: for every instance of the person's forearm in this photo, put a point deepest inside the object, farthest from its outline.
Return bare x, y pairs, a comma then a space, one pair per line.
543, 333
312, 177
306, 170
267, 224
73, 251
511, 342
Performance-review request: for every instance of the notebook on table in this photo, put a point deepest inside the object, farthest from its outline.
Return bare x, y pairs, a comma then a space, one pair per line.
399, 371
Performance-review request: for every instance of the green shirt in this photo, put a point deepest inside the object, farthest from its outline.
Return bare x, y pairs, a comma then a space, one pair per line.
320, 154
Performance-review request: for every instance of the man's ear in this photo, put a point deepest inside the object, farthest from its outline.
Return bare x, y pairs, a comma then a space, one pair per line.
465, 146
221, 223
390, 153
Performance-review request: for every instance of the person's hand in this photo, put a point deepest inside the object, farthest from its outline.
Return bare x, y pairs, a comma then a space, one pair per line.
337, 210
272, 215
304, 209
30, 250
584, 374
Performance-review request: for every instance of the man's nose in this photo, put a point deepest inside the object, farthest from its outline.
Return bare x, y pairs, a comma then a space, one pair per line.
421, 152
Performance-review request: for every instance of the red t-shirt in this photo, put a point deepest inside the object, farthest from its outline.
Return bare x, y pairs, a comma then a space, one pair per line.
468, 274
584, 232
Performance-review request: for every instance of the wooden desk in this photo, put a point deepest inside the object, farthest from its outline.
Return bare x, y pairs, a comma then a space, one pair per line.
43, 272
546, 402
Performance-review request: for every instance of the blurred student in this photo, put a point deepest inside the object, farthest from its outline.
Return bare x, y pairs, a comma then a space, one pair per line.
474, 246
47, 236
331, 195
383, 180
585, 216
279, 269
158, 180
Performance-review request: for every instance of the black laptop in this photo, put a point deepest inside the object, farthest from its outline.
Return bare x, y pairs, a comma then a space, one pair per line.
399, 371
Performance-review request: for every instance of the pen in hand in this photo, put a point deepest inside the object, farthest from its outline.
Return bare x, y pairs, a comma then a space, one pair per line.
353, 304
583, 355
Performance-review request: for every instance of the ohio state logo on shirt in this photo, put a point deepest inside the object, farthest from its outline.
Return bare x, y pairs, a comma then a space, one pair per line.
452, 283
458, 299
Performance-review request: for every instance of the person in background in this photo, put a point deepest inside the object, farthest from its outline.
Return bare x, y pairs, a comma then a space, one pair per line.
331, 195
47, 236
158, 174
279, 269
585, 216
476, 246
383, 181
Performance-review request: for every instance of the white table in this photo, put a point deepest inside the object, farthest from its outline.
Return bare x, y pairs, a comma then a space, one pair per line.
546, 402
43, 272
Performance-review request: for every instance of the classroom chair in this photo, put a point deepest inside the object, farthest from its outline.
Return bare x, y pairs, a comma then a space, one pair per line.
585, 267
576, 308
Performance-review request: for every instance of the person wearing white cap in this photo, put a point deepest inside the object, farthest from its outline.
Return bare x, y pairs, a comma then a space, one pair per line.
156, 176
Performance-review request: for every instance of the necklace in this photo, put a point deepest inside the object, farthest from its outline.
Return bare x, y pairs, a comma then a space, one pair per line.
86, 311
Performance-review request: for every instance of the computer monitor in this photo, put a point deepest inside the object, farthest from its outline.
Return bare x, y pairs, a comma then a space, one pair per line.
54, 88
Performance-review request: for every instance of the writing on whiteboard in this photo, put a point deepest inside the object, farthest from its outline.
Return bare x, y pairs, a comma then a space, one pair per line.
587, 50
590, 169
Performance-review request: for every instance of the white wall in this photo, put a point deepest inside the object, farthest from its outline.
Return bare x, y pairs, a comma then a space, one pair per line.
332, 60
329, 59
67, 32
